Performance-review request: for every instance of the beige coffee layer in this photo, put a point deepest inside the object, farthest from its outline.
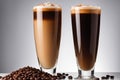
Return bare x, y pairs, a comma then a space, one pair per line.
46, 43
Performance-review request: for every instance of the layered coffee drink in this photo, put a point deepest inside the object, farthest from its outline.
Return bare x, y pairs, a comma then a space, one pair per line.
47, 33
85, 26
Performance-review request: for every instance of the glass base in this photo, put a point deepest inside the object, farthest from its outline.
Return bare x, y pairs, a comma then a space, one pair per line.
50, 71
95, 78
86, 75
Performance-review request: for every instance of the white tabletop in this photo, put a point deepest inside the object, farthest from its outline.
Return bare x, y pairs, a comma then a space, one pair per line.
100, 74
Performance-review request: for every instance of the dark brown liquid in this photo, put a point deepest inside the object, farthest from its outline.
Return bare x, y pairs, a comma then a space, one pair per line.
85, 28
47, 33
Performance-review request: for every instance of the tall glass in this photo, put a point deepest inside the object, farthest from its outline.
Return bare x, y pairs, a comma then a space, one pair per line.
85, 26
47, 34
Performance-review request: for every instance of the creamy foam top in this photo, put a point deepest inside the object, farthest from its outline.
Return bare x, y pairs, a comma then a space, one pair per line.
85, 9
47, 7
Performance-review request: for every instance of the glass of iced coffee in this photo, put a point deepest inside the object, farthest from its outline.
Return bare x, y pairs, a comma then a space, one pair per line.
47, 34
85, 27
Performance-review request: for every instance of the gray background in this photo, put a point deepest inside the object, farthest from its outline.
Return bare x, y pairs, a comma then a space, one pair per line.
17, 48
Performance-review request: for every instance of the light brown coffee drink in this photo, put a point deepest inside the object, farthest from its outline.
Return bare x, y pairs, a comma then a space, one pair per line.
47, 33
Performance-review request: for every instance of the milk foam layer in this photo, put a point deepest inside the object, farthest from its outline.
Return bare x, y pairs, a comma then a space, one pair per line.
47, 6
85, 9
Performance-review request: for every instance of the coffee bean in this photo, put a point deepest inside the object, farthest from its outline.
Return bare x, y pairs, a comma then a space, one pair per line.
96, 79
66, 74
103, 77
107, 76
111, 77
63, 73
70, 77
0, 77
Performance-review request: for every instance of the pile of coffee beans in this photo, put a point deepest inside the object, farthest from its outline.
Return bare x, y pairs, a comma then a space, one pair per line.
30, 73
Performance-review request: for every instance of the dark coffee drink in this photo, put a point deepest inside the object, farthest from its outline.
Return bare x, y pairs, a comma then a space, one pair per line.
47, 33
85, 26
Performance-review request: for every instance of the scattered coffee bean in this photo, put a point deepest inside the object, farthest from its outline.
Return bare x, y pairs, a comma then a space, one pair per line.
103, 77
63, 73
0, 77
107, 76
97, 79
111, 77
59, 74
66, 74
70, 77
